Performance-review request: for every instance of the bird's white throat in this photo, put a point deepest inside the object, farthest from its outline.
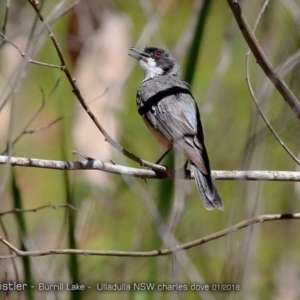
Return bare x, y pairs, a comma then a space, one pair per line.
150, 68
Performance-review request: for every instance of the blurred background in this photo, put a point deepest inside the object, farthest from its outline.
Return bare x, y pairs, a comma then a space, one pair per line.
41, 118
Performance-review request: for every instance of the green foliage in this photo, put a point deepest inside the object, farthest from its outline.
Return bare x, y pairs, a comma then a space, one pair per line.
192, 57
23, 234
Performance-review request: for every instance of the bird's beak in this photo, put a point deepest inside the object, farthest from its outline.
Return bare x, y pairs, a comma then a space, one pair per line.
138, 54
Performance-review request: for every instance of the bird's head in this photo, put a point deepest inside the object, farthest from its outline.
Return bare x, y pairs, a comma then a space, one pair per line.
155, 62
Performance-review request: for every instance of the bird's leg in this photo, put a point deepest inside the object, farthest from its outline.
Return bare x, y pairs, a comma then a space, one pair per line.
163, 156
185, 165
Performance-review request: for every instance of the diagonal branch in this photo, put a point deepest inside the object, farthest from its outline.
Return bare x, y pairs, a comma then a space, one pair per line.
80, 98
23, 54
262, 59
258, 107
18, 210
168, 251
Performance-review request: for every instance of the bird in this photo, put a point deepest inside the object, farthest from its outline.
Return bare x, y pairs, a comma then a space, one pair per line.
171, 113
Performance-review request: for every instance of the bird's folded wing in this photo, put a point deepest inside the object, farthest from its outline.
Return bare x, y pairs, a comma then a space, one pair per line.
176, 118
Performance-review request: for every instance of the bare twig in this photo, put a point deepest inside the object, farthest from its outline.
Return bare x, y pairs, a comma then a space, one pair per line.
43, 104
262, 59
7, 6
80, 98
261, 112
48, 125
23, 54
168, 251
18, 210
92, 164
287, 66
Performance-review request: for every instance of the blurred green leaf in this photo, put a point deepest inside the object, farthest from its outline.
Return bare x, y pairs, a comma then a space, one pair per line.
23, 234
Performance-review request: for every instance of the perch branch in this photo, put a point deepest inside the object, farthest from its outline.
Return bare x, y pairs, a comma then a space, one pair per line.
93, 164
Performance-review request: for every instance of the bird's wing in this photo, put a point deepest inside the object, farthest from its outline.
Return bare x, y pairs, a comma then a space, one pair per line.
174, 113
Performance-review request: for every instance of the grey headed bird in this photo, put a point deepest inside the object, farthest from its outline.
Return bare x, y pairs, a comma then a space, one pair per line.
171, 113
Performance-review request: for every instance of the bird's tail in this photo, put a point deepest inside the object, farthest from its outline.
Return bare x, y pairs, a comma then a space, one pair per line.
208, 191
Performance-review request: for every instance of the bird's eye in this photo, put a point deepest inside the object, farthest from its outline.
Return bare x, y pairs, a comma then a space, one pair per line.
158, 53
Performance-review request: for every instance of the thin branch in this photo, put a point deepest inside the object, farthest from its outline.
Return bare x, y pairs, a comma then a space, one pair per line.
257, 175
72, 112
7, 6
92, 164
18, 210
163, 230
48, 125
43, 104
162, 252
287, 66
80, 98
262, 59
258, 107
23, 54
